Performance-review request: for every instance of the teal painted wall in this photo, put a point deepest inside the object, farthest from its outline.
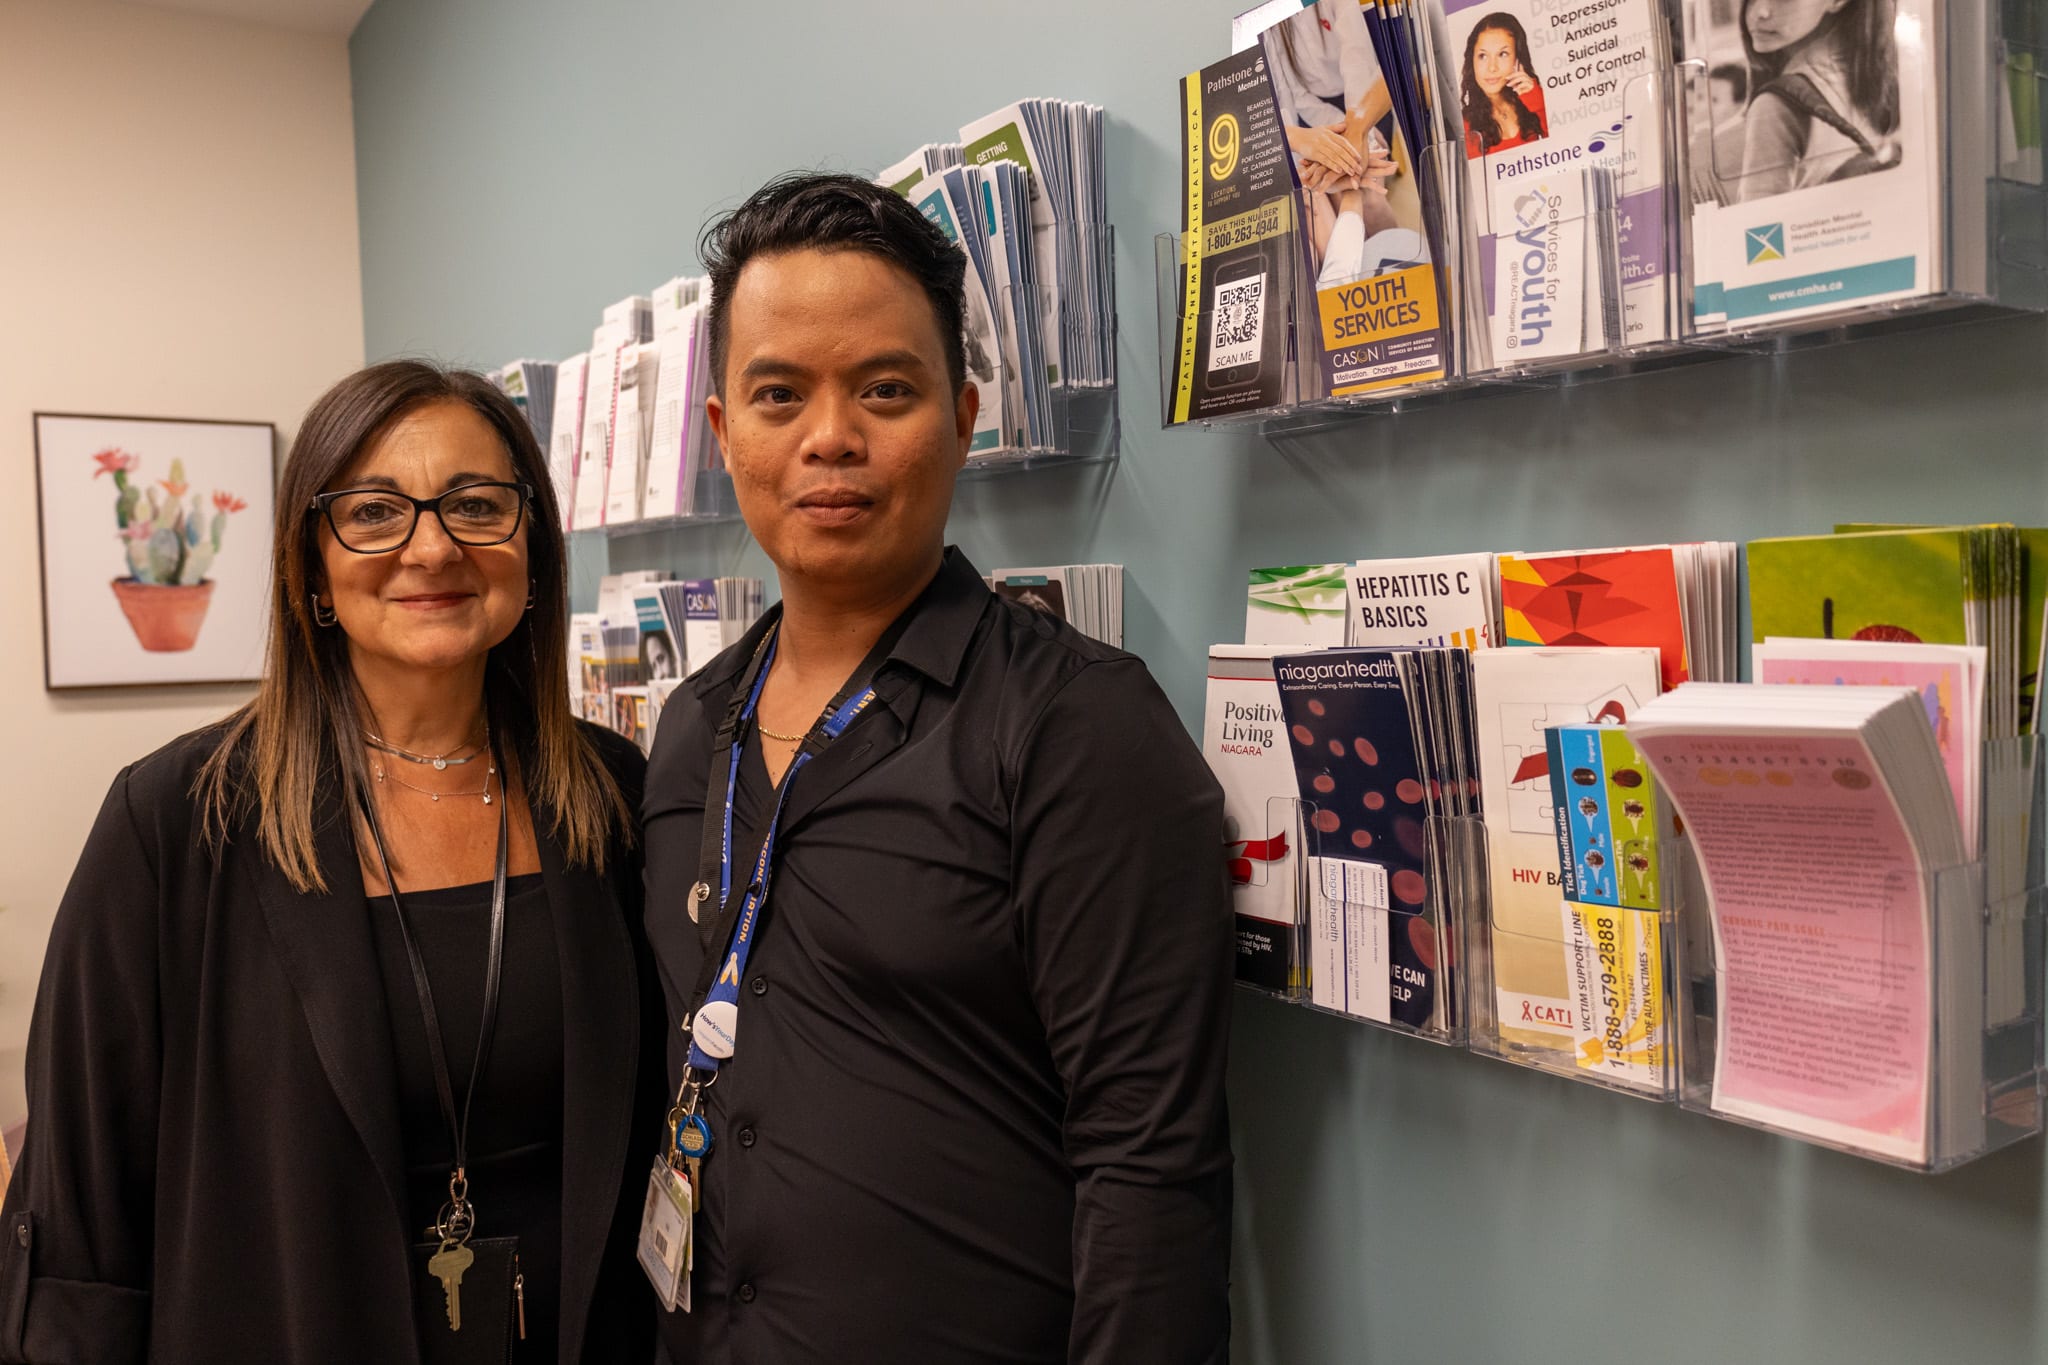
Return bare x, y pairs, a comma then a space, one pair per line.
524, 162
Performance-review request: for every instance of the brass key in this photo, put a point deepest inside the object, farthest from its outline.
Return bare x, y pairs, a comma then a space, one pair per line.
447, 1265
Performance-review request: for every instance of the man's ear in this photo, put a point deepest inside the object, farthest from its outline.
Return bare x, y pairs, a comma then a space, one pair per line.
966, 407
714, 409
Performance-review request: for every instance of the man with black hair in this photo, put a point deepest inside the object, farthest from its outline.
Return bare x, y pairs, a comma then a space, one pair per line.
933, 879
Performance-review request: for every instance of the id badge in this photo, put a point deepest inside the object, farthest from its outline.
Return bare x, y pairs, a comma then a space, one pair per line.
664, 1249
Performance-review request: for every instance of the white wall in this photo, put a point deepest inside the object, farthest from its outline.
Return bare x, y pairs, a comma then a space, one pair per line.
177, 239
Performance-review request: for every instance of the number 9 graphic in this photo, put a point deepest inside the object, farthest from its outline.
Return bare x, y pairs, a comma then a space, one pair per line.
1223, 147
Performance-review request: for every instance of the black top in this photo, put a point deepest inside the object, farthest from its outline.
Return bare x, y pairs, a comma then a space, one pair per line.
215, 1167
515, 1136
976, 1109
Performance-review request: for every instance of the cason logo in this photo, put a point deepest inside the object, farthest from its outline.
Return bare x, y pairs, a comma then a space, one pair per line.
1766, 243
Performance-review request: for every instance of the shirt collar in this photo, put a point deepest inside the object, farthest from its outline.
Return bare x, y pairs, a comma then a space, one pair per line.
937, 629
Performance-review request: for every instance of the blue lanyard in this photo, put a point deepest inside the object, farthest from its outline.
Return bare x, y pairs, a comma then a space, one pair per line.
715, 1018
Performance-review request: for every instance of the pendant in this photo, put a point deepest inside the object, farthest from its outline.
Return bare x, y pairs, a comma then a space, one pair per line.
436, 796
441, 765
487, 798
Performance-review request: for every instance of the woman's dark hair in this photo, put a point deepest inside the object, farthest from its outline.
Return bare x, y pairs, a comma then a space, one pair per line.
1870, 58
809, 211
302, 733
1478, 108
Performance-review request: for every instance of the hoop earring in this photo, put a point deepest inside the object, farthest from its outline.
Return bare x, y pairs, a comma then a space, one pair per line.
532, 591
323, 616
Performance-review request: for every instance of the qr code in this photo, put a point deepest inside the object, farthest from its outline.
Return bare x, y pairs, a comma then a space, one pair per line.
1237, 323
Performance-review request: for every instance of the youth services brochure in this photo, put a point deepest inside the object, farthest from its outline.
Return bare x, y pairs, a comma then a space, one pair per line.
1561, 108
1237, 226
1350, 106
1826, 185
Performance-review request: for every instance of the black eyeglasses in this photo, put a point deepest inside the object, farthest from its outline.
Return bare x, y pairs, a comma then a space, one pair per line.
375, 521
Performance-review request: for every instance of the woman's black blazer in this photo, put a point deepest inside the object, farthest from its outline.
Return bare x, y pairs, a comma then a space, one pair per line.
213, 1169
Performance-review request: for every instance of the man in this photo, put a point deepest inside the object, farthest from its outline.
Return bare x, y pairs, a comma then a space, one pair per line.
973, 1103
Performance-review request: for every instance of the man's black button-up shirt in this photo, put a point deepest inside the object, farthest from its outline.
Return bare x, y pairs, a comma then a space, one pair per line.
976, 1111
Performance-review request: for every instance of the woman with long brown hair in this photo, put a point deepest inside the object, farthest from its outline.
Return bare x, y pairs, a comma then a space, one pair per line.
345, 1029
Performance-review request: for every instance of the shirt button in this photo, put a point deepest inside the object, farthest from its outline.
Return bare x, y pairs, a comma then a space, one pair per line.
760, 985
747, 1292
21, 1233
746, 1137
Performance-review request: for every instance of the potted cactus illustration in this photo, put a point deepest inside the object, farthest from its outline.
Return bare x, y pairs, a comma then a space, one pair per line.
170, 545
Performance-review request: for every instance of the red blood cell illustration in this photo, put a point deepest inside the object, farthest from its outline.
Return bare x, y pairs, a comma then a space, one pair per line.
1408, 833
1361, 838
1422, 938
1316, 708
1893, 635
1409, 790
1324, 783
1326, 821
1302, 736
1337, 747
1366, 753
1373, 800
1409, 888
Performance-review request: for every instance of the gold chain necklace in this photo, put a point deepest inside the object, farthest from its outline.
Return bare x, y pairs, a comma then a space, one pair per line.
484, 792
786, 739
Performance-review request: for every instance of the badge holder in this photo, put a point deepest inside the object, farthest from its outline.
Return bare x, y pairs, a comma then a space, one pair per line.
1976, 930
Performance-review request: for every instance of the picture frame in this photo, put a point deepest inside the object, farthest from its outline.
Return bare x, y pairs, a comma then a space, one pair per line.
154, 543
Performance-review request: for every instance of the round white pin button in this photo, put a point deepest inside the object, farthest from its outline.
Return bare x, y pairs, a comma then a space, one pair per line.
714, 1026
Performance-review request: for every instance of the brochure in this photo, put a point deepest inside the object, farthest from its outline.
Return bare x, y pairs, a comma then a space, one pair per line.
1370, 211
1519, 695
1825, 190
1246, 743
1237, 245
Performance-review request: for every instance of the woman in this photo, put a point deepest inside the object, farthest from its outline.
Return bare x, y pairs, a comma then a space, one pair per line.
1503, 103
1826, 107
239, 1135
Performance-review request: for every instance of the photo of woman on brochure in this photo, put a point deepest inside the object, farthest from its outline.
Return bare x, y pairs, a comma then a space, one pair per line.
1502, 102
1362, 211
1823, 95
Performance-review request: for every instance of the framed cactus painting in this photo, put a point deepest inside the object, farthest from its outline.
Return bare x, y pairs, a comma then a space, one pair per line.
156, 538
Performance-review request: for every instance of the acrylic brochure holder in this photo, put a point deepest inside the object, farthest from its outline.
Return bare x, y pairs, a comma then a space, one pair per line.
1251, 322
1568, 266
1989, 226
1079, 423
1825, 1045
1382, 944
1605, 1014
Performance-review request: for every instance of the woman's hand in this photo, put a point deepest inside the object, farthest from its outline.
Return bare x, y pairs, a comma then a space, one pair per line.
1327, 146
1380, 167
1521, 82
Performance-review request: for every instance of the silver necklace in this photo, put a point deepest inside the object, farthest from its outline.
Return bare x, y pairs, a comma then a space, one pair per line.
454, 758
489, 773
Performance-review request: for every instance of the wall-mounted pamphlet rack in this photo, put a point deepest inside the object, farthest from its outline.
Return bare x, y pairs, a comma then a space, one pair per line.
1905, 1026
1695, 226
1613, 1025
